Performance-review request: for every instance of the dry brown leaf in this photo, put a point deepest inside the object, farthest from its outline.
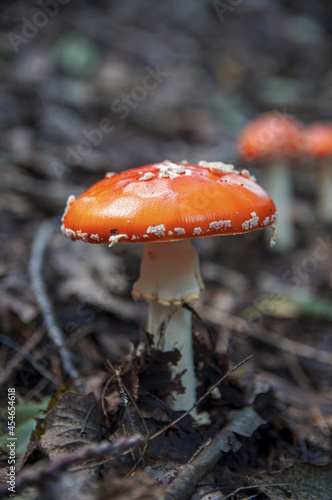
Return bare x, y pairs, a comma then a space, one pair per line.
302, 481
64, 423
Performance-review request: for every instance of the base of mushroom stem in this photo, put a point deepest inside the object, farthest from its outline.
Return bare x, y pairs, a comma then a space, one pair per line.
171, 329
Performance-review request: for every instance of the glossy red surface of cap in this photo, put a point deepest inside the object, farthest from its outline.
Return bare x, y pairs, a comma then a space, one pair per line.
169, 201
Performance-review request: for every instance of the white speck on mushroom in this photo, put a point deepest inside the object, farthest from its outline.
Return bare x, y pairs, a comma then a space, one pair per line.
181, 169
198, 230
164, 173
133, 237
169, 163
250, 223
266, 221
218, 167
145, 236
245, 173
146, 176
157, 230
70, 201
185, 162
274, 217
171, 170
220, 224
180, 231
170, 233
69, 233
84, 237
95, 237
115, 238
109, 174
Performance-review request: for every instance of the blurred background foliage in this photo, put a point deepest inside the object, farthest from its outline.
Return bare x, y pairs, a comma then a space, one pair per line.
88, 87
64, 63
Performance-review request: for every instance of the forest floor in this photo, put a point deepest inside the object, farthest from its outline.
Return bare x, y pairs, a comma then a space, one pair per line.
263, 329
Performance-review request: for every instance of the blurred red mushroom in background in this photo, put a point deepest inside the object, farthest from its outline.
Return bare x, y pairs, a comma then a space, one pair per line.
274, 139
164, 205
317, 143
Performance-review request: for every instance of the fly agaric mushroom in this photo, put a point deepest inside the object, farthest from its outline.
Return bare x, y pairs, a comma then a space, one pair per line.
274, 139
317, 140
164, 205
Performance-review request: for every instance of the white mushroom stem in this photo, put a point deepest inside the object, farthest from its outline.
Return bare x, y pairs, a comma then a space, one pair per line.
278, 183
324, 191
170, 277
172, 326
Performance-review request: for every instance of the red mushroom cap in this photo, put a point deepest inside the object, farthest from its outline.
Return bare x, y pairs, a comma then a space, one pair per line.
271, 135
169, 201
317, 139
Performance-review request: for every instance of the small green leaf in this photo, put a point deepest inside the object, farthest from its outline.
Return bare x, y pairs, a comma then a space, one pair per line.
25, 423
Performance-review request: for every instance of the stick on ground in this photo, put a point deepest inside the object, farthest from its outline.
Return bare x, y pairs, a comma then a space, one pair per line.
243, 422
38, 249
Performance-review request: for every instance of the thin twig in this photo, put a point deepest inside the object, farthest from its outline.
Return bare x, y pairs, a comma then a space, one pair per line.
205, 495
25, 354
240, 489
39, 474
126, 394
38, 249
15, 362
104, 393
88, 415
201, 399
199, 319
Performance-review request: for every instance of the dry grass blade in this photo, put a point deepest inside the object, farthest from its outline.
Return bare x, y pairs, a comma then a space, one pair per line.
24, 353
16, 361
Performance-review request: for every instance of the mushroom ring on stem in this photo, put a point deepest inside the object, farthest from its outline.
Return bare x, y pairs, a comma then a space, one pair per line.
164, 205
